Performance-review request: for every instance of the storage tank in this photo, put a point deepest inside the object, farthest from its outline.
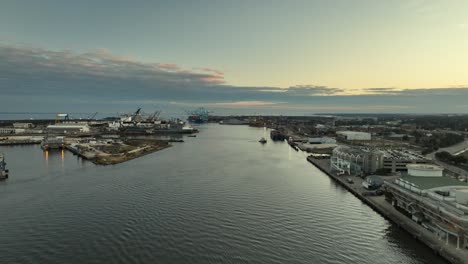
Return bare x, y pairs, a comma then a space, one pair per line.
425, 170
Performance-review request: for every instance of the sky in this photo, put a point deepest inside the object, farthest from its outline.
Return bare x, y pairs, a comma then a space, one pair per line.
267, 57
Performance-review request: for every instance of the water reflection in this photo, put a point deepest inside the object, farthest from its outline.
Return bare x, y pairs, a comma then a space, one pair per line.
234, 199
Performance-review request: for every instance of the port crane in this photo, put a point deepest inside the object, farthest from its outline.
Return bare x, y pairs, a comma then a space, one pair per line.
154, 116
199, 115
92, 116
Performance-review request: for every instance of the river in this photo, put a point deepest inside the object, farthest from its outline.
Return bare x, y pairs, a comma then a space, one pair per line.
221, 197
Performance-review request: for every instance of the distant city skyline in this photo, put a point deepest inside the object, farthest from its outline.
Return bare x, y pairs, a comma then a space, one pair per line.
299, 57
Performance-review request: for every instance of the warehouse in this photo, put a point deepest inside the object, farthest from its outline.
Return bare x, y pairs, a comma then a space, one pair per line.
353, 135
68, 128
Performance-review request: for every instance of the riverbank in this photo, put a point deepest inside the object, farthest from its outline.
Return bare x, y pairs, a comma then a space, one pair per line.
381, 206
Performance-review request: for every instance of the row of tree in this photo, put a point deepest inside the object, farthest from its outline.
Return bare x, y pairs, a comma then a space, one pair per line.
449, 158
437, 140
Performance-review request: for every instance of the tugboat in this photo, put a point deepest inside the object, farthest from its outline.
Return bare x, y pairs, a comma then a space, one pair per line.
263, 140
3, 170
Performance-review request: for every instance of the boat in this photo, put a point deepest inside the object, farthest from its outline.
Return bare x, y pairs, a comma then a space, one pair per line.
192, 135
3, 170
263, 140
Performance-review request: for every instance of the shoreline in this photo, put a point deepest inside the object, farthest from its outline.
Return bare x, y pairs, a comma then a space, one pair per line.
381, 206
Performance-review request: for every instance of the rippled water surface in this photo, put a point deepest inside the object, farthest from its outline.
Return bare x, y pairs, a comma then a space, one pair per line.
218, 198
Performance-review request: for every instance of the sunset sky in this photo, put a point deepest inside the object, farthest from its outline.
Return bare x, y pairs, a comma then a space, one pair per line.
271, 56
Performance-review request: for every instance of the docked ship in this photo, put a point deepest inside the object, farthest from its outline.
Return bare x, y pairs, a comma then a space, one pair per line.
49, 143
136, 124
198, 116
276, 135
3, 169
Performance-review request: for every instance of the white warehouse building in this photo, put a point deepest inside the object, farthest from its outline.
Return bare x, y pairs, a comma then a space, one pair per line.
424, 170
354, 135
68, 128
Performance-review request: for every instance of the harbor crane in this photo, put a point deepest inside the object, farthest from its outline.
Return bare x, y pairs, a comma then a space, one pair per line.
92, 116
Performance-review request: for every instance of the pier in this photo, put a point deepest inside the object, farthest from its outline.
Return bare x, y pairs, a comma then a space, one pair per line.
110, 154
381, 206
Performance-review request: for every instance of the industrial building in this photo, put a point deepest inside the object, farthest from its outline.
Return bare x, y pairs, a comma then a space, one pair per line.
396, 160
68, 128
438, 203
11, 130
356, 161
23, 125
353, 135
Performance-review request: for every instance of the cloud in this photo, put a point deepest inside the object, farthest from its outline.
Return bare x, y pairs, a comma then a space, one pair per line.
35, 63
246, 103
312, 90
33, 78
237, 104
380, 90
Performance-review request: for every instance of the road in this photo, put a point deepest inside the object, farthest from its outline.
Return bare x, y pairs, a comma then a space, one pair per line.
452, 149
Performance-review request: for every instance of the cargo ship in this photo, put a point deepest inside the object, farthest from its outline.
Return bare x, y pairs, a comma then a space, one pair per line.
3, 169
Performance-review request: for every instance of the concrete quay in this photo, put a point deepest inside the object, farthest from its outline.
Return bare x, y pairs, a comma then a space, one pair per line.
441, 247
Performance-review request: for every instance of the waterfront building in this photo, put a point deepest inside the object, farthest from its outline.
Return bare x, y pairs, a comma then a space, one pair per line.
356, 161
353, 135
438, 203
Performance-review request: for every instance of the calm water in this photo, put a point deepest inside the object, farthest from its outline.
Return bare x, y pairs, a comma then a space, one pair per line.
218, 198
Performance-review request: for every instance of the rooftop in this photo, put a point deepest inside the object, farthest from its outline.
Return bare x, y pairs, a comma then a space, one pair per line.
425, 183
395, 154
424, 167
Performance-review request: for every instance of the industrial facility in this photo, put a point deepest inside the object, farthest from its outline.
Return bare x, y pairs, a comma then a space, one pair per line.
397, 160
353, 135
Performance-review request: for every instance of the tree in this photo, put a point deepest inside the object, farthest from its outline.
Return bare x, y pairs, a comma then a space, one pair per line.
459, 159
444, 156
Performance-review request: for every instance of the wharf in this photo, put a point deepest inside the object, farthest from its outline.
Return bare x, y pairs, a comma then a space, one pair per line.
19, 142
381, 206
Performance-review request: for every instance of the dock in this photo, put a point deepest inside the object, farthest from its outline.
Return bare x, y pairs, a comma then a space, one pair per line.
384, 208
